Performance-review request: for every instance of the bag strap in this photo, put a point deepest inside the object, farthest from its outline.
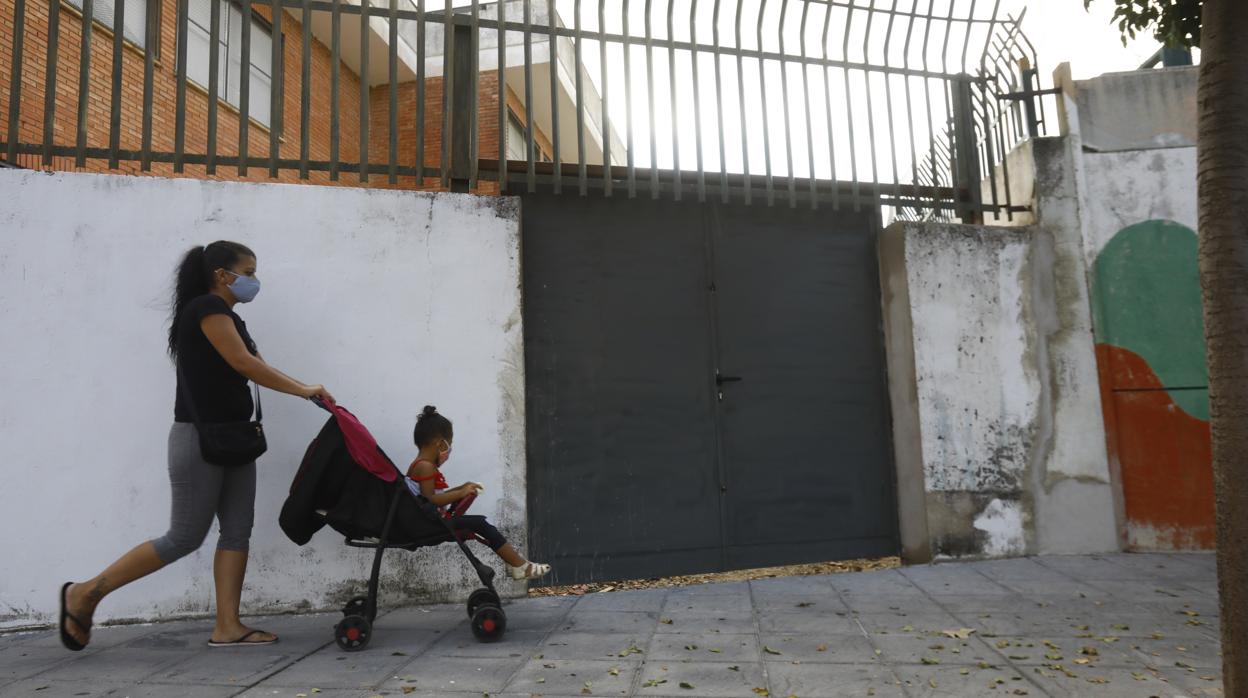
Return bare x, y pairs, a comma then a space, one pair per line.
190, 404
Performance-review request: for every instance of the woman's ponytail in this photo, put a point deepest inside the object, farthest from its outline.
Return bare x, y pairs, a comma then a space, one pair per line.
190, 281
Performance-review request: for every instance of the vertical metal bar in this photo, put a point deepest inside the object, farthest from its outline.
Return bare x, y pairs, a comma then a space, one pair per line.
654, 163
179, 133
784, 97
114, 114
448, 87
531, 169
503, 129
719, 105
970, 18
966, 162
866, 79
393, 96
277, 75
605, 117
927, 95
49, 90
84, 80
888, 103
305, 88
762, 88
827, 98
421, 60
745, 139
677, 187
580, 99
1029, 104
697, 101
810, 136
15, 78
628, 106
914, 154
366, 88
501, 8
214, 82
244, 90
463, 117
335, 138
475, 107
849, 111
554, 93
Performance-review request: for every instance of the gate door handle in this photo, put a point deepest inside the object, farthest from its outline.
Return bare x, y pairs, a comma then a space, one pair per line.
720, 379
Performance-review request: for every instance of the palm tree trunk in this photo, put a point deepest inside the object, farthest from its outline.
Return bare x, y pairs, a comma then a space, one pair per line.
1222, 175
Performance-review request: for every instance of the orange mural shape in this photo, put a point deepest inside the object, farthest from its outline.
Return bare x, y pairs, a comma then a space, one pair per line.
1165, 456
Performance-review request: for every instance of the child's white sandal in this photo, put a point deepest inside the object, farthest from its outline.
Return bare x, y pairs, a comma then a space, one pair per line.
529, 570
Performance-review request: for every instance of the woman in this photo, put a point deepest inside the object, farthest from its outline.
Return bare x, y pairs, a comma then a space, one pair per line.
216, 357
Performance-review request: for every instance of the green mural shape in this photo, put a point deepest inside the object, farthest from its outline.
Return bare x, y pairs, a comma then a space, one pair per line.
1146, 298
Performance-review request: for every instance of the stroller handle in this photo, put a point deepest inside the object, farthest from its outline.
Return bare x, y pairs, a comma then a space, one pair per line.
320, 402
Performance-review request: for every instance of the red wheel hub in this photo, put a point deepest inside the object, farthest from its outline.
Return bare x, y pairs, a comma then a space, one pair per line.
488, 625
353, 634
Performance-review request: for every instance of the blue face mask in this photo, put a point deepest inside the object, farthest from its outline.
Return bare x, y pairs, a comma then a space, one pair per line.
244, 288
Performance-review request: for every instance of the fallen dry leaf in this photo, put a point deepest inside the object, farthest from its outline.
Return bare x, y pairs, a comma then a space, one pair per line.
958, 634
821, 648
817, 568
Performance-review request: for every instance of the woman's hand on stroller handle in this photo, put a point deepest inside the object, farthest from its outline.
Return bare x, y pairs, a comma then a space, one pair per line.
317, 394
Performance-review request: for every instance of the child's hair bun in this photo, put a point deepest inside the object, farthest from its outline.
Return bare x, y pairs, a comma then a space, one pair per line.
429, 410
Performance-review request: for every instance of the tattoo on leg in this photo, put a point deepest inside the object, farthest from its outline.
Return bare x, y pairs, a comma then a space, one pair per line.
95, 593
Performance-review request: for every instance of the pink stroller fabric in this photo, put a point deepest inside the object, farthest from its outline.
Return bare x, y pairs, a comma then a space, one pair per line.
361, 444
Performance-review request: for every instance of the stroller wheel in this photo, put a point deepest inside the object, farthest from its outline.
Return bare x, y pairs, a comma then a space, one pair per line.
481, 597
355, 607
489, 623
353, 633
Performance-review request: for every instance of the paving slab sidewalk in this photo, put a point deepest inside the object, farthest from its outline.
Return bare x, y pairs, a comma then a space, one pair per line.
1096, 625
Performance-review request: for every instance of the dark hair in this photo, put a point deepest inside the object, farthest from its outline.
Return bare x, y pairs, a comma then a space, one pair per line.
194, 278
430, 425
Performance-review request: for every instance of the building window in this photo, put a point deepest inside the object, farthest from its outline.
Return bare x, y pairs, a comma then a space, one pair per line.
135, 20
517, 148
517, 141
230, 56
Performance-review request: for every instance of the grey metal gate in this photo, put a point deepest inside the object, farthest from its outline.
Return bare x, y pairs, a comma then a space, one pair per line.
705, 387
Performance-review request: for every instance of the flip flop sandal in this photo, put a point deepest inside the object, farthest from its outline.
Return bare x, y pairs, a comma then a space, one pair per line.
242, 641
530, 570
67, 639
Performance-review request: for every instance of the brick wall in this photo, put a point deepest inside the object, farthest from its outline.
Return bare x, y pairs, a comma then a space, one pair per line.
165, 98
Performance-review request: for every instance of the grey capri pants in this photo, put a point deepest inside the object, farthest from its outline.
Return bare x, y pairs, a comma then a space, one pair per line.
201, 491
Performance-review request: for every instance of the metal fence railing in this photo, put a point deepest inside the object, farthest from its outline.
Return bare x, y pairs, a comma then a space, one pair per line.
910, 104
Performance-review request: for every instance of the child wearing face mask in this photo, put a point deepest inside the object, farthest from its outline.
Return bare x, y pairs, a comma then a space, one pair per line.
433, 435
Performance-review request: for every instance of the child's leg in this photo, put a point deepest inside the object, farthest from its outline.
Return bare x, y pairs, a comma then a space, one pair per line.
520, 568
480, 526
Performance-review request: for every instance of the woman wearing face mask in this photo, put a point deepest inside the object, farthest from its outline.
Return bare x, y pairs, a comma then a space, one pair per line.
216, 357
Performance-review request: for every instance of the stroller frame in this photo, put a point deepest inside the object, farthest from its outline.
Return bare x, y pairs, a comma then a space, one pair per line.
484, 605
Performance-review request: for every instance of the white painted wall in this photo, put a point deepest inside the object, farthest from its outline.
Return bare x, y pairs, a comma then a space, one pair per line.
978, 391
1129, 187
391, 299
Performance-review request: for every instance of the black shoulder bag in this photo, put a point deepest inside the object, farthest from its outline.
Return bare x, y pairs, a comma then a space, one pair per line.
227, 443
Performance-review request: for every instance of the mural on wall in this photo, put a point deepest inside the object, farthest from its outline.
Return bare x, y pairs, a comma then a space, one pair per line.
1154, 384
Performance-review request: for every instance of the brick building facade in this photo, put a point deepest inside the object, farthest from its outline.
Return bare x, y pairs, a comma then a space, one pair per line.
164, 113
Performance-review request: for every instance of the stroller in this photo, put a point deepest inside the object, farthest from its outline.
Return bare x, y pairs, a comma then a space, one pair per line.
348, 482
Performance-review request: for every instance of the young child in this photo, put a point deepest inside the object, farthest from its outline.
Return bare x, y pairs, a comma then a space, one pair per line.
433, 435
